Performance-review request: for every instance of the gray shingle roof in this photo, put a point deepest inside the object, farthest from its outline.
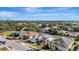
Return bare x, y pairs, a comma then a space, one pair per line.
64, 42
67, 41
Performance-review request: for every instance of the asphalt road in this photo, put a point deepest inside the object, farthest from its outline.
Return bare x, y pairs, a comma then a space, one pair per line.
17, 46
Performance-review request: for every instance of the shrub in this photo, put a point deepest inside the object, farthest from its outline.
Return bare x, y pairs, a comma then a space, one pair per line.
77, 39
69, 49
75, 48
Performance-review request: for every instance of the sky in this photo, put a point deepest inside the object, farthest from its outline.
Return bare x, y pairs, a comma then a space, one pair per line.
39, 13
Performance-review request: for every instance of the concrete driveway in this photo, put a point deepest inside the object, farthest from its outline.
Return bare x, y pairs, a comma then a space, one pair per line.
17, 46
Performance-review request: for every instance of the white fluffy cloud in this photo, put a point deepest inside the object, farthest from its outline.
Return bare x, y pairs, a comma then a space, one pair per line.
63, 8
6, 13
32, 9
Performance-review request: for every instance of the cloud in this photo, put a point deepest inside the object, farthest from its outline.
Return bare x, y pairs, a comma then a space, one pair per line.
42, 14
53, 14
63, 8
33, 9
6, 13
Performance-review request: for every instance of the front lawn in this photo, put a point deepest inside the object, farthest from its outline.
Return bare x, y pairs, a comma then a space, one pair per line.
77, 42
5, 33
74, 45
26, 41
55, 36
38, 46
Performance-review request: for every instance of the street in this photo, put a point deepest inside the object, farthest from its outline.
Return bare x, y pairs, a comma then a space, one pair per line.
17, 46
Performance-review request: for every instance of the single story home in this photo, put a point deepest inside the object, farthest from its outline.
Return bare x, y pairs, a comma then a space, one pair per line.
63, 43
46, 29
48, 40
62, 32
73, 34
70, 29
30, 35
35, 36
15, 34
48, 37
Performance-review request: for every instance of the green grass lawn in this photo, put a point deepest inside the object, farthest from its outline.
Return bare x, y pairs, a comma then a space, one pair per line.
73, 46
26, 41
58, 36
5, 33
18, 41
77, 42
38, 46
55, 36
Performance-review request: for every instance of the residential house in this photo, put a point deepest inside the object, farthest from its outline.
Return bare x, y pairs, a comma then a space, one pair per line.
62, 32
31, 35
15, 34
22, 34
2, 41
63, 43
39, 25
73, 34
55, 27
18, 34
48, 37
48, 40
46, 29
70, 29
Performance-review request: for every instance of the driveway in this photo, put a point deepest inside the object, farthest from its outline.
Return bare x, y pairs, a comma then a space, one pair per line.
17, 46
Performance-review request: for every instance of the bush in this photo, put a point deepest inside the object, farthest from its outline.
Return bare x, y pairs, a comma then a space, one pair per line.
77, 40
29, 41
74, 43
14, 34
69, 49
75, 48
10, 47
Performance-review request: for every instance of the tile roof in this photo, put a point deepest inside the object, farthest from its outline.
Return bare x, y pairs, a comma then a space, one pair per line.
31, 34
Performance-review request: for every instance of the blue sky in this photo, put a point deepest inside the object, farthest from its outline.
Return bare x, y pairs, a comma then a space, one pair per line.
39, 13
